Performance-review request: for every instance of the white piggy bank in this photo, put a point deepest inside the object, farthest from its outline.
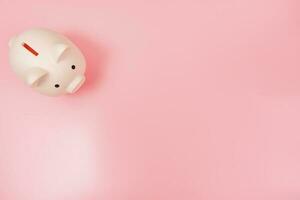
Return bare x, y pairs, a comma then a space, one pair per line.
47, 61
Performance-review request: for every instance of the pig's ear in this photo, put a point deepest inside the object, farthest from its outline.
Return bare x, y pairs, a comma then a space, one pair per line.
34, 76
58, 50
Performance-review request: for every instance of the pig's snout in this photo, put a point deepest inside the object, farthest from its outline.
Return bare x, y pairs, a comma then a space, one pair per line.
75, 84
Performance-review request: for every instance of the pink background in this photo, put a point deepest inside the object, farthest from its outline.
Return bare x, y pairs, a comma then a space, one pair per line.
195, 100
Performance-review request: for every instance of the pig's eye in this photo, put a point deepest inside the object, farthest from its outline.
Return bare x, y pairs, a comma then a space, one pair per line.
73, 67
56, 85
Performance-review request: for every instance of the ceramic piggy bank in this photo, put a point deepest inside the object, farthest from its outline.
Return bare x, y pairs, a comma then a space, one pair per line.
47, 61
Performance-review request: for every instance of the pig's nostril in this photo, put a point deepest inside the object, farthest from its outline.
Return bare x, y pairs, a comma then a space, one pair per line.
56, 85
73, 67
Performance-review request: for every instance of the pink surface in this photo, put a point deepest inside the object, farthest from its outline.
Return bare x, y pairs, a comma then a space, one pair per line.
184, 100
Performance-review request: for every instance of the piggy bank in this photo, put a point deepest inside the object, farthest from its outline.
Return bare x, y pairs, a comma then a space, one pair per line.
47, 61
